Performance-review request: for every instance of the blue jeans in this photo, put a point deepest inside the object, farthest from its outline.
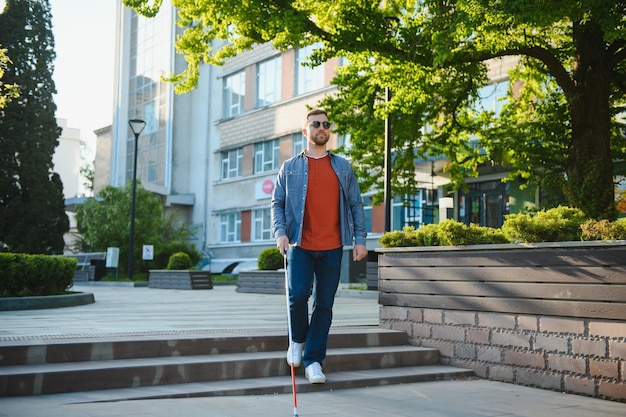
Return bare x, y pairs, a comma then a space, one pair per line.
303, 266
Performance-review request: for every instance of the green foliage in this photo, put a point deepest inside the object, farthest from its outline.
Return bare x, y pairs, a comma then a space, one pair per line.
32, 209
270, 259
453, 233
560, 224
604, 230
8, 92
104, 222
167, 249
179, 260
35, 275
426, 235
446, 233
433, 56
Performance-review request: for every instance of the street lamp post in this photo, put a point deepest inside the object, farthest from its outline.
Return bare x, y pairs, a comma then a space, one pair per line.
136, 125
388, 195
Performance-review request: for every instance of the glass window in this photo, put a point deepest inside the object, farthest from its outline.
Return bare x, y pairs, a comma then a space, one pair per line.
268, 76
308, 79
344, 140
231, 163
230, 227
262, 224
492, 97
266, 156
299, 144
234, 93
367, 210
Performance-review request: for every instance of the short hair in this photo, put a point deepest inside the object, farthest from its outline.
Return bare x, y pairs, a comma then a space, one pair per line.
312, 112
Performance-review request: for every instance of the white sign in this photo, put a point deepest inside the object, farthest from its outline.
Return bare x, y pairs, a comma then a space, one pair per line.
113, 256
263, 189
148, 252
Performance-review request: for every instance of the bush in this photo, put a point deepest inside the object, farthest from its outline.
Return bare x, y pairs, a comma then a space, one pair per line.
35, 275
560, 224
453, 233
446, 233
604, 230
179, 260
270, 259
163, 253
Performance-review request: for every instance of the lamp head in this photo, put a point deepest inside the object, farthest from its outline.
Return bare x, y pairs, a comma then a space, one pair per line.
137, 126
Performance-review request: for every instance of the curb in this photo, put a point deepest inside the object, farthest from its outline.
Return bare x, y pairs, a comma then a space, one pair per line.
50, 301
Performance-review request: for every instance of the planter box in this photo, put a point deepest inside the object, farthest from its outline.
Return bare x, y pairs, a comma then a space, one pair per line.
550, 315
180, 279
263, 282
568, 279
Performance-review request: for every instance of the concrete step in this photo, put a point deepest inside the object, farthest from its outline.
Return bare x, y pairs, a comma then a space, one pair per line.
270, 385
236, 361
125, 373
149, 346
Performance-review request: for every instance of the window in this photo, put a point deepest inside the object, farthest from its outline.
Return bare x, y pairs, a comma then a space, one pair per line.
268, 75
231, 163
367, 211
230, 227
299, 144
266, 156
262, 225
308, 79
344, 140
234, 93
492, 97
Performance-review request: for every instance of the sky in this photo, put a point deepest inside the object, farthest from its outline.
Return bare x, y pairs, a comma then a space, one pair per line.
84, 36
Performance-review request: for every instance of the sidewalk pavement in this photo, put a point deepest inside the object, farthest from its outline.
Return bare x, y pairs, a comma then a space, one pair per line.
129, 311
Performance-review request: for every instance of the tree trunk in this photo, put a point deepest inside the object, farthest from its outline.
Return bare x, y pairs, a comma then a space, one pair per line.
590, 165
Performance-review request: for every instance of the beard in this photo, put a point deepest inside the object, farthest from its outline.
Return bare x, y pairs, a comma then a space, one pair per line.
320, 139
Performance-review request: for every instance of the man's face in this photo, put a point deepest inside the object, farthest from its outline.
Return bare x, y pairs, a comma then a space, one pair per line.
317, 135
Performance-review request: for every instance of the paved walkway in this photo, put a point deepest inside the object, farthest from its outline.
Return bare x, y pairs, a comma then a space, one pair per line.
144, 311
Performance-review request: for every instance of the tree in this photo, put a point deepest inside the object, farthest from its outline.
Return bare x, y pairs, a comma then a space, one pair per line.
104, 222
7, 91
32, 209
559, 127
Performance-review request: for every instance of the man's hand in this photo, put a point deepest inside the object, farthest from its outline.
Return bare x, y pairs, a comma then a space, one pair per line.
282, 243
359, 252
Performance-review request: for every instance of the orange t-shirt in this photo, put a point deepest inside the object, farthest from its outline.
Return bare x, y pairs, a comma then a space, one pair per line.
321, 229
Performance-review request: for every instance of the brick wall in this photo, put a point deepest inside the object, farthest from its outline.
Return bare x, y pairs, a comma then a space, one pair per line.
579, 356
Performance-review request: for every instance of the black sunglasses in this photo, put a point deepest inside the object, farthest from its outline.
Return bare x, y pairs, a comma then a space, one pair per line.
316, 124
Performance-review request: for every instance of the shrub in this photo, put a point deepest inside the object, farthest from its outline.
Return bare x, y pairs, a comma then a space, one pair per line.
560, 224
35, 275
446, 233
453, 233
604, 230
270, 259
163, 253
179, 260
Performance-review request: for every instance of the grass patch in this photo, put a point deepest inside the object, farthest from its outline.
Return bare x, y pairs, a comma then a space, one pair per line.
361, 286
224, 278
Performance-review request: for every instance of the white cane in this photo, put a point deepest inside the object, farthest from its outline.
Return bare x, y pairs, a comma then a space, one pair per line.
293, 371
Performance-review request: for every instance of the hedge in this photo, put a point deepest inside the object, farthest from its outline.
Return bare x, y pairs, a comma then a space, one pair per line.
25, 275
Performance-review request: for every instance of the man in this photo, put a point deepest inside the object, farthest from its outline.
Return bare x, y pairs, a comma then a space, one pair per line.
316, 210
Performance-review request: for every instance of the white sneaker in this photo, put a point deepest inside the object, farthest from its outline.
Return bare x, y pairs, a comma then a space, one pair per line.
294, 354
314, 373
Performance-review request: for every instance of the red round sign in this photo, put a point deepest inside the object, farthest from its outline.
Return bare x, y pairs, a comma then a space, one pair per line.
268, 186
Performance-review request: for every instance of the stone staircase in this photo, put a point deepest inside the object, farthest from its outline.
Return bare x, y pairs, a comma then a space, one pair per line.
235, 362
